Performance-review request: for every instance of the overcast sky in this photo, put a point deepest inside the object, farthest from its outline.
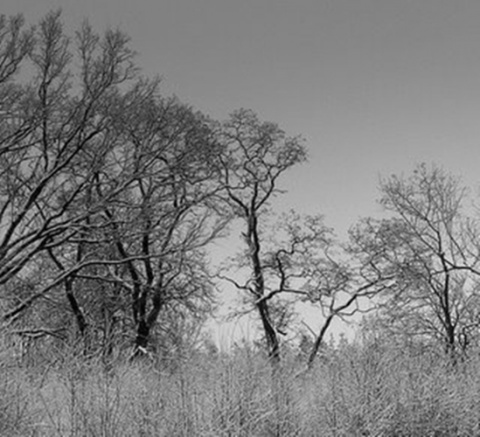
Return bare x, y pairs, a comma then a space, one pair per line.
374, 86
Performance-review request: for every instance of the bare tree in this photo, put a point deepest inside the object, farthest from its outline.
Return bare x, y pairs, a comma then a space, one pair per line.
256, 155
16, 44
153, 234
58, 120
304, 263
430, 247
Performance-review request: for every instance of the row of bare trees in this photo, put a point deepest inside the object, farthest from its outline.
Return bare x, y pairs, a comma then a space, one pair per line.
111, 194
107, 194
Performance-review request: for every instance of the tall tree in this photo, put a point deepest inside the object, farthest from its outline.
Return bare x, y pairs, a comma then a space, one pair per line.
58, 132
256, 155
55, 118
152, 235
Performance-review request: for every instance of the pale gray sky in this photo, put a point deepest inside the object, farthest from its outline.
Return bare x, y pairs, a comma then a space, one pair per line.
374, 86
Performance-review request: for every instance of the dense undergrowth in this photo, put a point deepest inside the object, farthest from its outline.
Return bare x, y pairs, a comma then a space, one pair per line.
353, 390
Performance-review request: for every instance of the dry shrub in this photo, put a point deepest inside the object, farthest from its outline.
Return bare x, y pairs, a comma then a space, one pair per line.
355, 390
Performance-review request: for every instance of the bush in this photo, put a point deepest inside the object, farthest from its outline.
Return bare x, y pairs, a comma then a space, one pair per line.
356, 390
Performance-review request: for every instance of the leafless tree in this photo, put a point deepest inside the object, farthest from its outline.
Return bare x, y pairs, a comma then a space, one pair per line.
256, 155
161, 225
305, 263
56, 131
430, 247
104, 186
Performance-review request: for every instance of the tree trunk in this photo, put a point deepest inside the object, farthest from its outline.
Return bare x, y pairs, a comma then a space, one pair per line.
145, 324
271, 337
319, 341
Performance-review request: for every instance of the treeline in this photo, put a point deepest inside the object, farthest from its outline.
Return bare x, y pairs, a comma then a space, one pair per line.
111, 195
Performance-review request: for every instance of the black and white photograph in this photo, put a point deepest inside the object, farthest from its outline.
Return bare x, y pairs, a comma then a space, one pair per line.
239, 218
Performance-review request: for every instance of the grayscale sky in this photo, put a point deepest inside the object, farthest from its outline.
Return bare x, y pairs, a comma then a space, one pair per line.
374, 86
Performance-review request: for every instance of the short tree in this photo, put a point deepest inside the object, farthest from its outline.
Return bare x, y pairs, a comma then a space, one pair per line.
430, 247
304, 263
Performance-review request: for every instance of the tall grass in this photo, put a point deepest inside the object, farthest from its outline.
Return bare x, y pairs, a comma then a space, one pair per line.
355, 390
